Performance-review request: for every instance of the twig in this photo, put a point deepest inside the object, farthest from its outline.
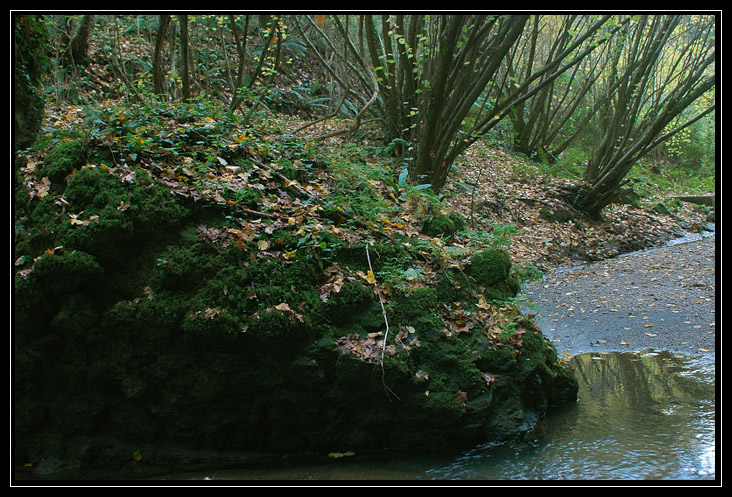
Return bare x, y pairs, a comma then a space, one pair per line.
386, 321
383, 310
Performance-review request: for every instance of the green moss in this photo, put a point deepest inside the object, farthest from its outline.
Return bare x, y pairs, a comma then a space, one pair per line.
248, 197
494, 358
63, 159
184, 268
143, 203
273, 323
440, 226
210, 326
69, 271
490, 267
408, 307
90, 187
381, 254
491, 270
284, 240
352, 300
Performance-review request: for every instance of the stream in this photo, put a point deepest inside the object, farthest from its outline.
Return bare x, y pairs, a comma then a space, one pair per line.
646, 406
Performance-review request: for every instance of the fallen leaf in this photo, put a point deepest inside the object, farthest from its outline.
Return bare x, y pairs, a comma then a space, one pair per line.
488, 378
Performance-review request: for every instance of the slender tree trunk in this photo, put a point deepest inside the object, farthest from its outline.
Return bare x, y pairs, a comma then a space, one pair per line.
637, 111
158, 87
80, 44
186, 76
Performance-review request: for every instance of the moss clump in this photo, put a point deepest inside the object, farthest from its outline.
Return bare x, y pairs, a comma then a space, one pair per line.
490, 267
209, 326
63, 159
187, 267
68, 272
414, 305
273, 323
352, 299
443, 225
140, 202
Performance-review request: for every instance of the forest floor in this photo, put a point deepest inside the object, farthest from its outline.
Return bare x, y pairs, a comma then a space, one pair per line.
495, 189
498, 192
548, 231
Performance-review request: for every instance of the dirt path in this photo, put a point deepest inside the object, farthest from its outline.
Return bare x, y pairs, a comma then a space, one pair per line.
662, 299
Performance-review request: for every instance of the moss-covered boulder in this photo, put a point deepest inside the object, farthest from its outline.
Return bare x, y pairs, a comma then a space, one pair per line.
63, 159
443, 225
142, 318
491, 269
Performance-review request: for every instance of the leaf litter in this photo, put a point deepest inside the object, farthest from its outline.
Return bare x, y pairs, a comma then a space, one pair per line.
502, 190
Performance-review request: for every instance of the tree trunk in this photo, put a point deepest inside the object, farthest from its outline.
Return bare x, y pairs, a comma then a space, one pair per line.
79, 46
186, 76
28, 107
158, 87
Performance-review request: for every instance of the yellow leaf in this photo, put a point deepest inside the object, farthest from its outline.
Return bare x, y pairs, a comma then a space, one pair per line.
370, 277
137, 456
262, 244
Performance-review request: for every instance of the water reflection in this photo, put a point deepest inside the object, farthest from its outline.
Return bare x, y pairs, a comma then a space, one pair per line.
639, 416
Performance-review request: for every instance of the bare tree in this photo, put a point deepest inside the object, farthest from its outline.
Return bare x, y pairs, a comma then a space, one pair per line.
545, 124
431, 71
267, 62
658, 68
185, 55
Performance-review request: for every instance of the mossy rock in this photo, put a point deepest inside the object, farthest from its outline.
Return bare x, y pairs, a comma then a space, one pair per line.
442, 225
490, 267
69, 271
142, 202
62, 160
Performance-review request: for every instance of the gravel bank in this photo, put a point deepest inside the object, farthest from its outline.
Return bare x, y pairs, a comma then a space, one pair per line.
662, 299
